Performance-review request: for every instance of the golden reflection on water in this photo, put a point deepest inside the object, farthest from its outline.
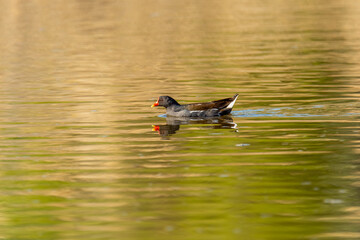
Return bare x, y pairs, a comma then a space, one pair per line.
79, 158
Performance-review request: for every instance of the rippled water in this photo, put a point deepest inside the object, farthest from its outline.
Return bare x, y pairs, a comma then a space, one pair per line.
83, 156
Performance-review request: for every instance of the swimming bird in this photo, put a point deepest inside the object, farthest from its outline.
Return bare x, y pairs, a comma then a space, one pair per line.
197, 110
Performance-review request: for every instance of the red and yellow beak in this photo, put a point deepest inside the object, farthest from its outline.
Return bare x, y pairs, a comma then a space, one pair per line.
155, 104
156, 128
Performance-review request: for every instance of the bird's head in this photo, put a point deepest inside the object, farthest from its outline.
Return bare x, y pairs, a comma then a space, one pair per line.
165, 101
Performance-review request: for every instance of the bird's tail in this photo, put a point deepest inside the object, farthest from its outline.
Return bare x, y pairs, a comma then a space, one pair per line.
231, 105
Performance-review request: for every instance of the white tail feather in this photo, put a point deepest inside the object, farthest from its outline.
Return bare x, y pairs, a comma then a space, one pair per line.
231, 105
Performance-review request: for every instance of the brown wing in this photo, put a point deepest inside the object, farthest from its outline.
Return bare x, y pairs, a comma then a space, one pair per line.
219, 104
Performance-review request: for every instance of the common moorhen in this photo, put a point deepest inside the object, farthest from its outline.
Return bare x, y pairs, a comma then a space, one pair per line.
207, 109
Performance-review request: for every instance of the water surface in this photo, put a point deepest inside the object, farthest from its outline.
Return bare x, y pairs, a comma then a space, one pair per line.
83, 156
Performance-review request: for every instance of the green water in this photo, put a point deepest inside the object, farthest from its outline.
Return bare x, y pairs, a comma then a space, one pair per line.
83, 156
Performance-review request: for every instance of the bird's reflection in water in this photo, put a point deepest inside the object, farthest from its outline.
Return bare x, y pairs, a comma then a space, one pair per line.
173, 124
